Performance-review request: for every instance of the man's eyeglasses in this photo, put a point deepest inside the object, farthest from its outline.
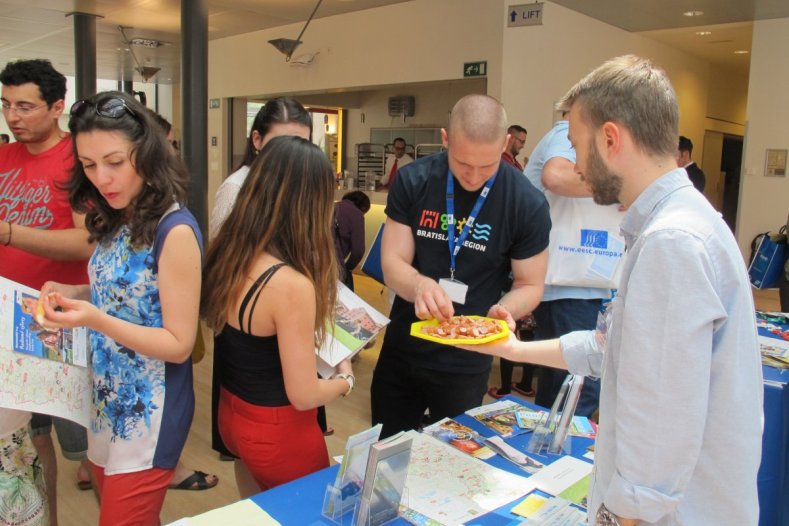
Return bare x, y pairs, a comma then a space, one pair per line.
23, 110
112, 108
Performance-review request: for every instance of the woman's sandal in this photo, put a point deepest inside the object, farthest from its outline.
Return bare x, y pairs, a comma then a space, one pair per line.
197, 481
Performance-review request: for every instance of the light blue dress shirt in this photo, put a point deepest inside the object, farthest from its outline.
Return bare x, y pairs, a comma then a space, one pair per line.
680, 431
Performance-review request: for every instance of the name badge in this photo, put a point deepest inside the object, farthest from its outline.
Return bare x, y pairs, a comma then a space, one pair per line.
456, 290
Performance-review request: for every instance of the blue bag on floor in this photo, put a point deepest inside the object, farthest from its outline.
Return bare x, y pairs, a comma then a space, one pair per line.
372, 261
768, 261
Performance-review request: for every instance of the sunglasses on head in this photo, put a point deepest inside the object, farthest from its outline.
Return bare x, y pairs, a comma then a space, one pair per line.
112, 108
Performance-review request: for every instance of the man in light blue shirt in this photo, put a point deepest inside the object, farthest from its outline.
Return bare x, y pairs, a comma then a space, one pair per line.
551, 168
679, 441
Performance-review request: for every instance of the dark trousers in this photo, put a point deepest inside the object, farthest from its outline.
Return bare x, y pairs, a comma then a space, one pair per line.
400, 393
783, 291
555, 318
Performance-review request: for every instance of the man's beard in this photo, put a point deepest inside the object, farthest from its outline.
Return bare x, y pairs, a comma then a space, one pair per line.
605, 184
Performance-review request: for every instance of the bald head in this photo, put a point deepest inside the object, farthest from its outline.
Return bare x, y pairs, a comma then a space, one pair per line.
479, 118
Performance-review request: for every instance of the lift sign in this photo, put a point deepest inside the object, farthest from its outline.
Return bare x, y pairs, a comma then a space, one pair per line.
524, 15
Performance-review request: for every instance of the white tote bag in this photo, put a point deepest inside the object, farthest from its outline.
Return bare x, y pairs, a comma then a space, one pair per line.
585, 249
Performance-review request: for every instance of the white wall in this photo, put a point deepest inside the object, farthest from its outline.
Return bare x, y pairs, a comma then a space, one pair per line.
764, 201
540, 63
431, 41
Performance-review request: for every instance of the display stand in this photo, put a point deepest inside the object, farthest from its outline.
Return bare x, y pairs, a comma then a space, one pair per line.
339, 503
366, 515
552, 433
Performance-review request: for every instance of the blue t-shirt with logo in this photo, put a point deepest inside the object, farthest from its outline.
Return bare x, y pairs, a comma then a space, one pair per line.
514, 223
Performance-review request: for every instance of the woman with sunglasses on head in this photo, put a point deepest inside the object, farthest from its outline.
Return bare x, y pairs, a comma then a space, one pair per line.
269, 293
141, 305
280, 116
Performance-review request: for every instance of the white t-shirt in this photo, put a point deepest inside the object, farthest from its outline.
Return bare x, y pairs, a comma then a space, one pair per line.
225, 198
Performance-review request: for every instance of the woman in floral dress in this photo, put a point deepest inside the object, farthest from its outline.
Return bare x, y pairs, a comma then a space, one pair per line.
141, 304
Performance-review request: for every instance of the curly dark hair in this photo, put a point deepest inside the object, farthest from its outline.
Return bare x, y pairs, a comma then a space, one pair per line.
163, 172
40, 72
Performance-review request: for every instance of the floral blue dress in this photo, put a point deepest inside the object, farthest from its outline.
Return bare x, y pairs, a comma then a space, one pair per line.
143, 407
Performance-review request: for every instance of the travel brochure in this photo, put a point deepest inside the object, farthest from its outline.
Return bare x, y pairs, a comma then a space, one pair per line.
356, 324
775, 352
42, 370
460, 437
507, 418
499, 416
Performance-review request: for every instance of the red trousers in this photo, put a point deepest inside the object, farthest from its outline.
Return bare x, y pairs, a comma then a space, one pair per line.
131, 499
277, 444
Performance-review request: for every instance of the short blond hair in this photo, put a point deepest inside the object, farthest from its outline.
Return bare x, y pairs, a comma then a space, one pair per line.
630, 91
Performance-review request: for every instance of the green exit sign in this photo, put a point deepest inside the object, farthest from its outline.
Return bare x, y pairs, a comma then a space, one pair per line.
475, 69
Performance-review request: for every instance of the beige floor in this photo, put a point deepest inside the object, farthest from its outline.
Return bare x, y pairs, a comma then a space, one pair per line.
347, 416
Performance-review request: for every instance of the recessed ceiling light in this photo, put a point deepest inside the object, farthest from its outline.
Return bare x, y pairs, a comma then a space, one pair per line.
693, 13
741, 52
703, 33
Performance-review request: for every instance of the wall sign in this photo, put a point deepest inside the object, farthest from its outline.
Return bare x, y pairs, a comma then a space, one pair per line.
475, 69
524, 15
775, 163
213, 103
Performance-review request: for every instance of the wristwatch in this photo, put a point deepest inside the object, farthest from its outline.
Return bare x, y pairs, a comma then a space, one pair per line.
605, 517
348, 378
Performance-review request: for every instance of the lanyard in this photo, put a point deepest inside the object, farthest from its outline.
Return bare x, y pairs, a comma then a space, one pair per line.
454, 248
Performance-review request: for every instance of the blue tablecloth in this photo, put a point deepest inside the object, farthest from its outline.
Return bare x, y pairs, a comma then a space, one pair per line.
773, 480
299, 502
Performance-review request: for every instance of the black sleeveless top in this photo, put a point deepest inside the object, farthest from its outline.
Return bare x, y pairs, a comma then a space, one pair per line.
249, 366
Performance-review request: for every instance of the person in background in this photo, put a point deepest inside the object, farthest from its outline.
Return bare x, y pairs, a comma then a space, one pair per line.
142, 315
4, 139
684, 152
270, 290
678, 352
516, 139
349, 232
41, 236
501, 227
280, 116
395, 161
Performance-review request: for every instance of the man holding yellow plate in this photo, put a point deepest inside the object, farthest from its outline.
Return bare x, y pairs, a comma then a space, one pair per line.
458, 223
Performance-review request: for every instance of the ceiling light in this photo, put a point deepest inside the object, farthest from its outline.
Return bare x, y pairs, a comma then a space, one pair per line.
146, 42
741, 52
287, 46
146, 72
693, 13
703, 33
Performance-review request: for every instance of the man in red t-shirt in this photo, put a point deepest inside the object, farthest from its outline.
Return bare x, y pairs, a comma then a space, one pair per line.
41, 238
515, 141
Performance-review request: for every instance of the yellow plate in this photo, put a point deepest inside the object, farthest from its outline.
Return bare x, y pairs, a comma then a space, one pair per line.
416, 332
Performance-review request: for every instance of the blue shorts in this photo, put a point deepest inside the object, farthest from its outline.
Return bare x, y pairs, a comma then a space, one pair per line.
73, 438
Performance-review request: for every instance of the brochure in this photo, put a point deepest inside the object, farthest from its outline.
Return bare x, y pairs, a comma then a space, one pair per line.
41, 370
499, 416
460, 437
384, 480
356, 323
580, 426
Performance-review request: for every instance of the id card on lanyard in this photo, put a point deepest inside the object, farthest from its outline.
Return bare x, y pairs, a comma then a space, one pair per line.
457, 290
